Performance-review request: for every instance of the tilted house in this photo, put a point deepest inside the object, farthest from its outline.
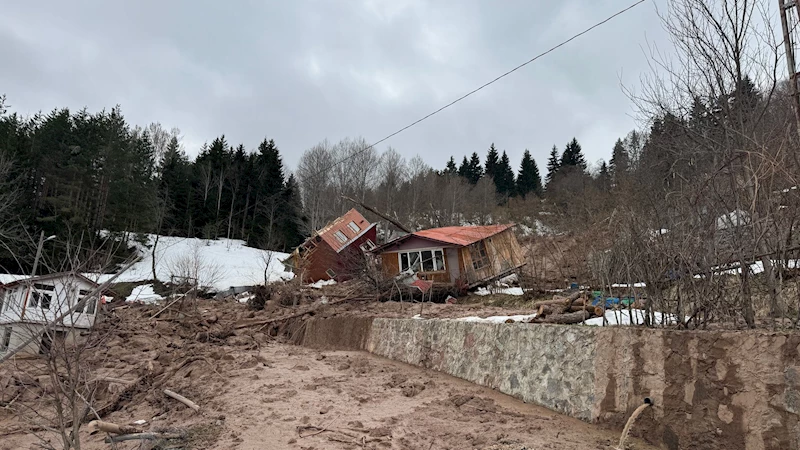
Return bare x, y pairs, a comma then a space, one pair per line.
332, 251
467, 255
28, 304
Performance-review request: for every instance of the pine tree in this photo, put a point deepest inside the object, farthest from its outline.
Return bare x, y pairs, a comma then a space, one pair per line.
451, 168
175, 189
475, 171
528, 181
573, 155
492, 160
463, 169
553, 164
620, 161
604, 177
504, 178
292, 219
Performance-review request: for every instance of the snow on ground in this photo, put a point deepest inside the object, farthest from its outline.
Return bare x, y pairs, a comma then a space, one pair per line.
499, 290
497, 319
320, 283
217, 264
144, 294
623, 285
622, 317
758, 267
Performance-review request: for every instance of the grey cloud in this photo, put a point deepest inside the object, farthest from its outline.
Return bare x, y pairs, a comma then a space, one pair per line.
303, 71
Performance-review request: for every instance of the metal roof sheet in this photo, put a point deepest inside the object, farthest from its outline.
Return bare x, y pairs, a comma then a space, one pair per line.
462, 235
328, 233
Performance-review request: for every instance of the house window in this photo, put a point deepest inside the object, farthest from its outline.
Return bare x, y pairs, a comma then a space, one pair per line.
367, 246
354, 227
478, 255
331, 273
422, 260
5, 339
2, 299
341, 237
90, 306
42, 296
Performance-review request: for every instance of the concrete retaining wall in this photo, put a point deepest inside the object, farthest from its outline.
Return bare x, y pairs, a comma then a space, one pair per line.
712, 390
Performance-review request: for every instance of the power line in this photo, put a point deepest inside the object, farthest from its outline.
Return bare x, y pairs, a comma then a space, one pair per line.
348, 157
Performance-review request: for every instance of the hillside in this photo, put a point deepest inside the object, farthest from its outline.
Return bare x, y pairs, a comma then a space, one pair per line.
217, 264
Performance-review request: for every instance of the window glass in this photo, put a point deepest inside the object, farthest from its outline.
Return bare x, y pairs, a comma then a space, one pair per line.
2, 299
403, 262
354, 227
427, 261
413, 261
5, 339
478, 255
340, 236
91, 305
438, 260
45, 300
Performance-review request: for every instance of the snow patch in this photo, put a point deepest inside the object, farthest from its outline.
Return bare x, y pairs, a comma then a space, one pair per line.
218, 264
499, 290
320, 283
144, 294
623, 285
498, 319
623, 317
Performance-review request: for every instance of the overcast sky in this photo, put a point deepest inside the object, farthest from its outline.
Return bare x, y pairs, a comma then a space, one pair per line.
302, 71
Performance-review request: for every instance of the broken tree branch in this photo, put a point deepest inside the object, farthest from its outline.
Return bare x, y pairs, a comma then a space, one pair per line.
182, 399
141, 437
378, 213
110, 427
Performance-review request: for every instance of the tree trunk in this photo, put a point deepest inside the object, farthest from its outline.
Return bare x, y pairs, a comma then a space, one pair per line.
568, 318
153, 257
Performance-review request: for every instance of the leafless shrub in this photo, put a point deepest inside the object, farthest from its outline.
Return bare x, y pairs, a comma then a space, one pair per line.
192, 265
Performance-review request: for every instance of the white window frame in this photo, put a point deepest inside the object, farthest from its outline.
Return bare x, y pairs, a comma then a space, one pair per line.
340, 236
367, 246
35, 302
5, 339
90, 307
419, 251
354, 227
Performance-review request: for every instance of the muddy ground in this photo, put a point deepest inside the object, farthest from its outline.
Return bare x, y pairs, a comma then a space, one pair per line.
288, 397
257, 391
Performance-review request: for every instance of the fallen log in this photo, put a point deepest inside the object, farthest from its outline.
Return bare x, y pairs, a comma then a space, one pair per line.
110, 427
264, 322
182, 399
560, 301
567, 318
141, 437
579, 307
546, 310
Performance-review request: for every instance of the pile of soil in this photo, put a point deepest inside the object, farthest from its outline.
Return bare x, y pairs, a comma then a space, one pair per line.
256, 391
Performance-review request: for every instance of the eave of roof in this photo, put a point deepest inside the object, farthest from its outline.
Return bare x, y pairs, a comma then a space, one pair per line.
459, 236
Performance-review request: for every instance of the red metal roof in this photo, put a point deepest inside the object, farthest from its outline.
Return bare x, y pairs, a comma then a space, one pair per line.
462, 235
328, 234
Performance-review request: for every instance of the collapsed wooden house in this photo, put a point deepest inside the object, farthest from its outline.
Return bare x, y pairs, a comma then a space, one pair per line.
465, 256
331, 253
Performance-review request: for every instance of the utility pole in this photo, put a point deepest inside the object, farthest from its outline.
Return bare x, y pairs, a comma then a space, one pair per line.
784, 6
